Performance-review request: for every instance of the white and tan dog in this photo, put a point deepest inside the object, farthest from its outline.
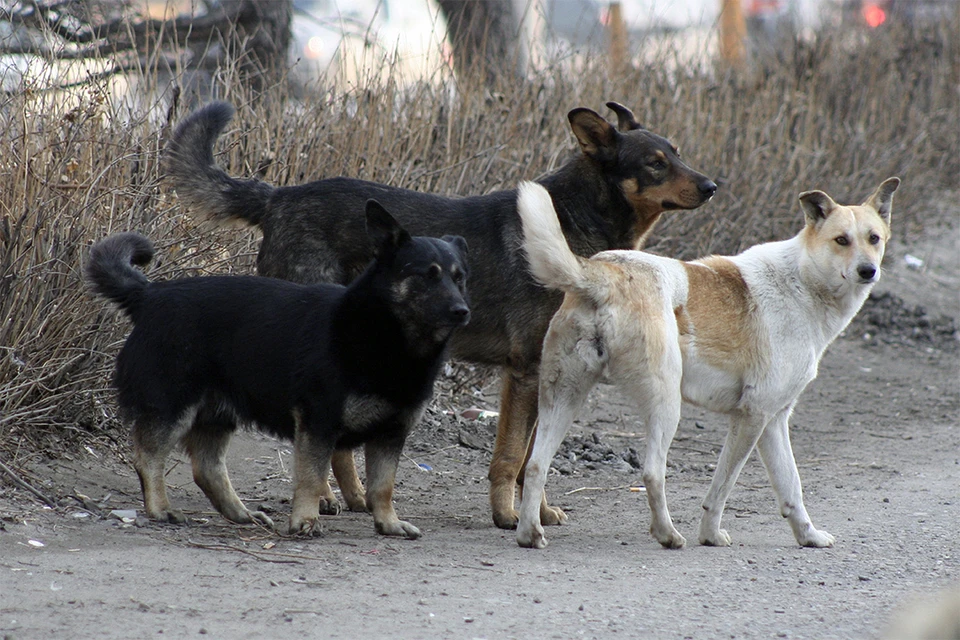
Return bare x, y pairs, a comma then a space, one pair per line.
739, 335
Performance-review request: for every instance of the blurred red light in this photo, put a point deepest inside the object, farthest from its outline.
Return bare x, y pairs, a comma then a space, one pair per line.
874, 15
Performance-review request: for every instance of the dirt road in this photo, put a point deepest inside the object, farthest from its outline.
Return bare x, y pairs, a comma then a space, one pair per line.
876, 438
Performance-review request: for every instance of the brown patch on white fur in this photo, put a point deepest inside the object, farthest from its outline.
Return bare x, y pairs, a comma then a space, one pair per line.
718, 319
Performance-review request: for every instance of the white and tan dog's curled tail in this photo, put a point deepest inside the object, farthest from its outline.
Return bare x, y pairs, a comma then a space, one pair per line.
549, 257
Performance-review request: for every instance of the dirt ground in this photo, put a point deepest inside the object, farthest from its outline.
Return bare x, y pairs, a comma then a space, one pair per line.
876, 438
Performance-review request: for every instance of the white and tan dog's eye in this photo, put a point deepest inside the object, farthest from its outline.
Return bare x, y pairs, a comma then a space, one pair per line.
874, 238
842, 241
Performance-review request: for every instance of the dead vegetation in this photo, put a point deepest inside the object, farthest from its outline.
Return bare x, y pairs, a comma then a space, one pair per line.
840, 114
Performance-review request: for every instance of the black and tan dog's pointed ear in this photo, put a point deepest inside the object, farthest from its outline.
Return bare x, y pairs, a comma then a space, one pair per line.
817, 206
384, 231
597, 137
882, 198
625, 118
459, 243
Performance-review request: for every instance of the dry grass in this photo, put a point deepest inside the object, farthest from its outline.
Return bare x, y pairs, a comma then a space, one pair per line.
837, 115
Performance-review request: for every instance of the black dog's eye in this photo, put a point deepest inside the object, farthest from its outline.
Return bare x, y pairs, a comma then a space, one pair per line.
658, 165
457, 276
874, 238
842, 241
434, 272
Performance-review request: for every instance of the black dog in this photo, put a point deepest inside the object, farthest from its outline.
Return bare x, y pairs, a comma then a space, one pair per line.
327, 366
608, 197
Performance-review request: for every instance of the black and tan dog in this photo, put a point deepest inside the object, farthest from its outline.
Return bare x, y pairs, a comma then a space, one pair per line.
326, 366
608, 197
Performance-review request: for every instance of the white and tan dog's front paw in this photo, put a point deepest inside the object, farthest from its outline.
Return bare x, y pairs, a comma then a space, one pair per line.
668, 536
715, 538
815, 538
530, 536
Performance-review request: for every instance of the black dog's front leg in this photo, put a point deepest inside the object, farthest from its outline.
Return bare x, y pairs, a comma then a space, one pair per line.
311, 466
382, 458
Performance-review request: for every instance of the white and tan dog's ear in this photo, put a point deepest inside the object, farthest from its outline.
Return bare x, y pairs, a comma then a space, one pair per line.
882, 198
817, 206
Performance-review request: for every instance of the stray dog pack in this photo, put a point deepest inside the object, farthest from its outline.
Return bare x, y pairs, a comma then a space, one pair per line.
608, 196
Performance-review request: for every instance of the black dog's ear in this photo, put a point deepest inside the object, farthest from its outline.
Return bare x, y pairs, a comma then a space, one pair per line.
597, 137
459, 243
383, 230
625, 119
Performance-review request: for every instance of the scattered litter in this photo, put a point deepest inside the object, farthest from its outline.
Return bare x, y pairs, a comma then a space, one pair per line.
35, 543
638, 489
473, 413
126, 516
913, 262
421, 466
80, 514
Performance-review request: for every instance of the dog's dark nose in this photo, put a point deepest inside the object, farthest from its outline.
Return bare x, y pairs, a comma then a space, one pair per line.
460, 314
866, 272
707, 189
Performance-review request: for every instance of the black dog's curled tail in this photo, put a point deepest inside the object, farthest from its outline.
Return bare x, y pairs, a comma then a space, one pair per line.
110, 269
199, 182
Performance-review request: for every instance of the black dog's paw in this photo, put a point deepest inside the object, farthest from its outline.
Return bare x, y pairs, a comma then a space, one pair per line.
330, 506
307, 528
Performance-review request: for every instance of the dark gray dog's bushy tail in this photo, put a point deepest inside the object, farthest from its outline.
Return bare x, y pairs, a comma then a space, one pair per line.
200, 183
110, 269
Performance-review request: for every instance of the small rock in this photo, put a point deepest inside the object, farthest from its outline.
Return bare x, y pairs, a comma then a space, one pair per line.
471, 441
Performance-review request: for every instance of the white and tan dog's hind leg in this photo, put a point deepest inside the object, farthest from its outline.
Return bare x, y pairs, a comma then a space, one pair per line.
563, 390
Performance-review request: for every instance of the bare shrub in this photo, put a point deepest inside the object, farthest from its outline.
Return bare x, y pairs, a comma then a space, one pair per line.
840, 114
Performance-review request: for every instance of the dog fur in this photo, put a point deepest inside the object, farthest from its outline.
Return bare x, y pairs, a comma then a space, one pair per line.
608, 197
327, 366
739, 335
